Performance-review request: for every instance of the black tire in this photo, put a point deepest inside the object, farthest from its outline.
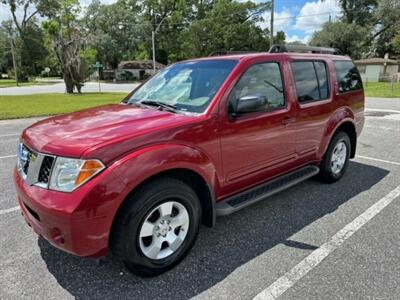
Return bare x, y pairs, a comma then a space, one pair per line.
326, 174
125, 244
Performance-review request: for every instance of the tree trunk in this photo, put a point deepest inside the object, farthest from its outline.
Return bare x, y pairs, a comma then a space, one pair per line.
69, 84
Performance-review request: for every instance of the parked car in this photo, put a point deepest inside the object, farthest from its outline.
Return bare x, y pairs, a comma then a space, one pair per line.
201, 138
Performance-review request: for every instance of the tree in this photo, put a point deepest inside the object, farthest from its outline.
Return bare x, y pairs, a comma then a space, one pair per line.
5, 59
30, 44
395, 43
68, 43
280, 38
230, 25
117, 31
347, 38
360, 12
387, 24
379, 17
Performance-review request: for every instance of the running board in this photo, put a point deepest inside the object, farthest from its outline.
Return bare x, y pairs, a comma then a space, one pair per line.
264, 190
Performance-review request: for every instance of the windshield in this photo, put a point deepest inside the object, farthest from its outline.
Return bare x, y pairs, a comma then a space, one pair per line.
188, 86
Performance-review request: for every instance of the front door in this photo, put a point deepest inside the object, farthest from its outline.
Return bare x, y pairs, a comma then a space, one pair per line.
258, 145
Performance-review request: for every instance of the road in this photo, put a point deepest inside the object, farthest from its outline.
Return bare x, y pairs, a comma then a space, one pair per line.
59, 87
313, 241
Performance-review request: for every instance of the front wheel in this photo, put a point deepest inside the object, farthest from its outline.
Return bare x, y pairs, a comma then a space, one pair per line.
336, 158
157, 227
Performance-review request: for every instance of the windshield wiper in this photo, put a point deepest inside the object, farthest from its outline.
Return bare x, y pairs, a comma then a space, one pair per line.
163, 105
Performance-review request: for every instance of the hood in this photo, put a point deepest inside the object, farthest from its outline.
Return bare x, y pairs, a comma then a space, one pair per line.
72, 134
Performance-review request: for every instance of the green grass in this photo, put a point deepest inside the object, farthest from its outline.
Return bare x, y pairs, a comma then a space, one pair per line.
12, 107
11, 83
382, 89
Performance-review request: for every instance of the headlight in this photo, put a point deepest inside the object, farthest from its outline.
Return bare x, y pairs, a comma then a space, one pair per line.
69, 173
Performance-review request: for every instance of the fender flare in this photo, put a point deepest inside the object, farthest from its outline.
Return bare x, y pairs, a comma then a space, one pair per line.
338, 118
156, 159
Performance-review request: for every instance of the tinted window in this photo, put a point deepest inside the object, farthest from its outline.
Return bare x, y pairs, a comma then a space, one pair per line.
189, 86
347, 76
320, 68
260, 80
306, 81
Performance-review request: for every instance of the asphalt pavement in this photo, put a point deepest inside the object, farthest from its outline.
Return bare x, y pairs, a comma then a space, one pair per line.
313, 241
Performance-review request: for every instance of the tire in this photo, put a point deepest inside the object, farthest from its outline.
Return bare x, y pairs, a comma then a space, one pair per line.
137, 245
331, 171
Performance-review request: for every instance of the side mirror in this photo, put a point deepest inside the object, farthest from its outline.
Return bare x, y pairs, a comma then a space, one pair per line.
248, 104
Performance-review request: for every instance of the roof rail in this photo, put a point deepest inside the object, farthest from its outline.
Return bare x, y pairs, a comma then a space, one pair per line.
227, 52
277, 48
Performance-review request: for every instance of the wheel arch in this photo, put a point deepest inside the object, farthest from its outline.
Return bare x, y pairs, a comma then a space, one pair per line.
341, 120
203, 190
350, 129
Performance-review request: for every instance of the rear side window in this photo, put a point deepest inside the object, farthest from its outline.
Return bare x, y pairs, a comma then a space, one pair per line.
311, 80
322, 76
348, 77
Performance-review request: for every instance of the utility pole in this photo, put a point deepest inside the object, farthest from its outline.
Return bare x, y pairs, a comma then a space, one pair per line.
14, 59
153, 41
272, 23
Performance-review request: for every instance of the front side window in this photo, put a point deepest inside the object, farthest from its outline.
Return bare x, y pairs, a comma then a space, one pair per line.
263, 79
188, 86
311, 80
347, 76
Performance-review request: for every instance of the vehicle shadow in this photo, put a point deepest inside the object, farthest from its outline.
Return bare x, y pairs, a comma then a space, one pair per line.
235, 240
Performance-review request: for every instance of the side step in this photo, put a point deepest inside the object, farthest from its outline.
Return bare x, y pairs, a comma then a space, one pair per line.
260, 192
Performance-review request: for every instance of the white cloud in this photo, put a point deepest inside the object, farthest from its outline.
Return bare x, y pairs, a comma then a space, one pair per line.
85, 3
4, 12
295, 38
314, 14
282, 20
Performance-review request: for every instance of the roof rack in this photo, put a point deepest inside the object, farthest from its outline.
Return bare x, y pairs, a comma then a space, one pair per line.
302, 49
280, 48
227, 52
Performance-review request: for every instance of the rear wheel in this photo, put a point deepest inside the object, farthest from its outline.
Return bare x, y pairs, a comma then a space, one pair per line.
336, 158
157, 227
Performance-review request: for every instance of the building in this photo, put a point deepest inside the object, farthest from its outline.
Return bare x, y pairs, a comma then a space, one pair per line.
134, 70
130, 70
378, 69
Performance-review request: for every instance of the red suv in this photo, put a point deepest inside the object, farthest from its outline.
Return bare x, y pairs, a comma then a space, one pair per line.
201, 138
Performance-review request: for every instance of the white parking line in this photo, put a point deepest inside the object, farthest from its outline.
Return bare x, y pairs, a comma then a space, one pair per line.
290, 278
15, 122
383, 110
8, 156
9, 210
11, 134
379, 160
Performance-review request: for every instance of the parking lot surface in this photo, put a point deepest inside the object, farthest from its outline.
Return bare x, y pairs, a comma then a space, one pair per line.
313, 241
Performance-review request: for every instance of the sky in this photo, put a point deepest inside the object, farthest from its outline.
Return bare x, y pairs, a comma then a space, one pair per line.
299, 19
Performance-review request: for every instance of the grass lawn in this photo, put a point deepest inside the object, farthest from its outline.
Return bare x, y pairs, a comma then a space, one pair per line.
11, 83
24, 106
382, 89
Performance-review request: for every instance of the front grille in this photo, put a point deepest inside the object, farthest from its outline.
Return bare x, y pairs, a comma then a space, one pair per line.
45, 169
35, 168
24, 158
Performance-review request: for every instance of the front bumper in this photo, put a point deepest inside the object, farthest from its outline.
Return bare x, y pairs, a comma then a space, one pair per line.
79, 222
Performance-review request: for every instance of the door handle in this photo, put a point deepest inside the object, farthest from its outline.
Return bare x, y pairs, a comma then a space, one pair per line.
288, 120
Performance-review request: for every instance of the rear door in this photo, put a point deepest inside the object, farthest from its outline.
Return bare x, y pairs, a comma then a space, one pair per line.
314, 101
